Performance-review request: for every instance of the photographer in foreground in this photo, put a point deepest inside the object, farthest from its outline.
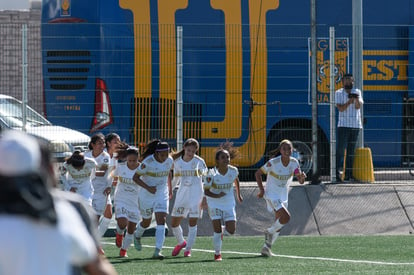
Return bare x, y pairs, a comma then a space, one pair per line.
349, 102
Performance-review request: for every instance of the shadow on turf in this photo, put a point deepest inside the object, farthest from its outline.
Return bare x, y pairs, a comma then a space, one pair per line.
167, 260
188, 261
242, 257
117, 259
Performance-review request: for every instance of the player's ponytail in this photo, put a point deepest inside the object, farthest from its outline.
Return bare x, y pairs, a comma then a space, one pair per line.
276, 152
188, 142
150, 148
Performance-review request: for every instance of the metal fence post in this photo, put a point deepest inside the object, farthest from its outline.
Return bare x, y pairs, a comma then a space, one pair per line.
24, 75
179, 88
332, 103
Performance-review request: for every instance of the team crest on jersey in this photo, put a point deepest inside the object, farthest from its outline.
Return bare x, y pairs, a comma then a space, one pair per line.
143, 166
208, 179
268, 164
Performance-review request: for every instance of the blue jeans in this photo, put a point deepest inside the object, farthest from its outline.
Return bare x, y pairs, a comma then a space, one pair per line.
346, 139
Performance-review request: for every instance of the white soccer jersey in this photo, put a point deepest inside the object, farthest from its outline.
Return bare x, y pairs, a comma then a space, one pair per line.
100, 183
80, 179
189, 177
218, 183
154, 173
126, 189
279, 177
113, 161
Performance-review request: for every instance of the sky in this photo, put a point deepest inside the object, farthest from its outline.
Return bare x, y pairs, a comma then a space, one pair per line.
14, 4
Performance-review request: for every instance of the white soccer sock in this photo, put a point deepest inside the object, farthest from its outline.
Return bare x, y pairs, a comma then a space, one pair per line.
178, 233
139, 231
224, 230
217, 242
192, 234
275, 235
275, 227
159, 236
119, 230
127, 241
103, 226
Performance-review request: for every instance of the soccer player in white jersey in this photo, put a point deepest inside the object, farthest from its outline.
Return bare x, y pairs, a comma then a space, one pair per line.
102, 184
189, 170
113, 144
219, 190
77, 174
280, 171
126, 200
117, 153
154, 176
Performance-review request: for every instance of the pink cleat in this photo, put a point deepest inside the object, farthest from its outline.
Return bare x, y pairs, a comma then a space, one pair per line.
123, 253
217, 258
178, 248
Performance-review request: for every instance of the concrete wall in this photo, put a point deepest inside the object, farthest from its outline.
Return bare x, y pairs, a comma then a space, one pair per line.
328, 209
11, 22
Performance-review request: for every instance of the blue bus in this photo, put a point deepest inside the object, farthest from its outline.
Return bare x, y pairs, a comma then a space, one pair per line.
110, 66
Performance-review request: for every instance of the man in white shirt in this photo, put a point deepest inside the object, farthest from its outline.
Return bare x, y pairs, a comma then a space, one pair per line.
349, 103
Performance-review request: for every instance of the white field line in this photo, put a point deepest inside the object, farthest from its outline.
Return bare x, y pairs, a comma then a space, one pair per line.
285, 256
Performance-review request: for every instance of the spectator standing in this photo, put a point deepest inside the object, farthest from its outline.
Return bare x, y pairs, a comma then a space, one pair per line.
349, 102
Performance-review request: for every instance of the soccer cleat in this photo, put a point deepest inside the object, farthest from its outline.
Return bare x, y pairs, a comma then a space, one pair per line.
266, 252
187, 253
268, 239
118, 239
123, 253
217, 258
178, 248
137, 244
101, 251
157, 254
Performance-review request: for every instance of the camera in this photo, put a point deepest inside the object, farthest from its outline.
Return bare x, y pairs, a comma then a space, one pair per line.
353, 95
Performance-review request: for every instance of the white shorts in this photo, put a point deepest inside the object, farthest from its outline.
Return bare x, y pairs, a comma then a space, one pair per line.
125, 210
86, 194
275, 203
227, 214
150, 203
181, 211
187, 203
99, 203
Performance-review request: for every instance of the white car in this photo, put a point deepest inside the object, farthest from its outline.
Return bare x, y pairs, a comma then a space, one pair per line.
62, 141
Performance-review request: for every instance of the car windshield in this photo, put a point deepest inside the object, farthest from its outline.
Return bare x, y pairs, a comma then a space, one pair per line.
11, 113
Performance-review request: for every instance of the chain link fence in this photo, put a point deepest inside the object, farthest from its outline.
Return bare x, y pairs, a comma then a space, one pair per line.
246, 84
